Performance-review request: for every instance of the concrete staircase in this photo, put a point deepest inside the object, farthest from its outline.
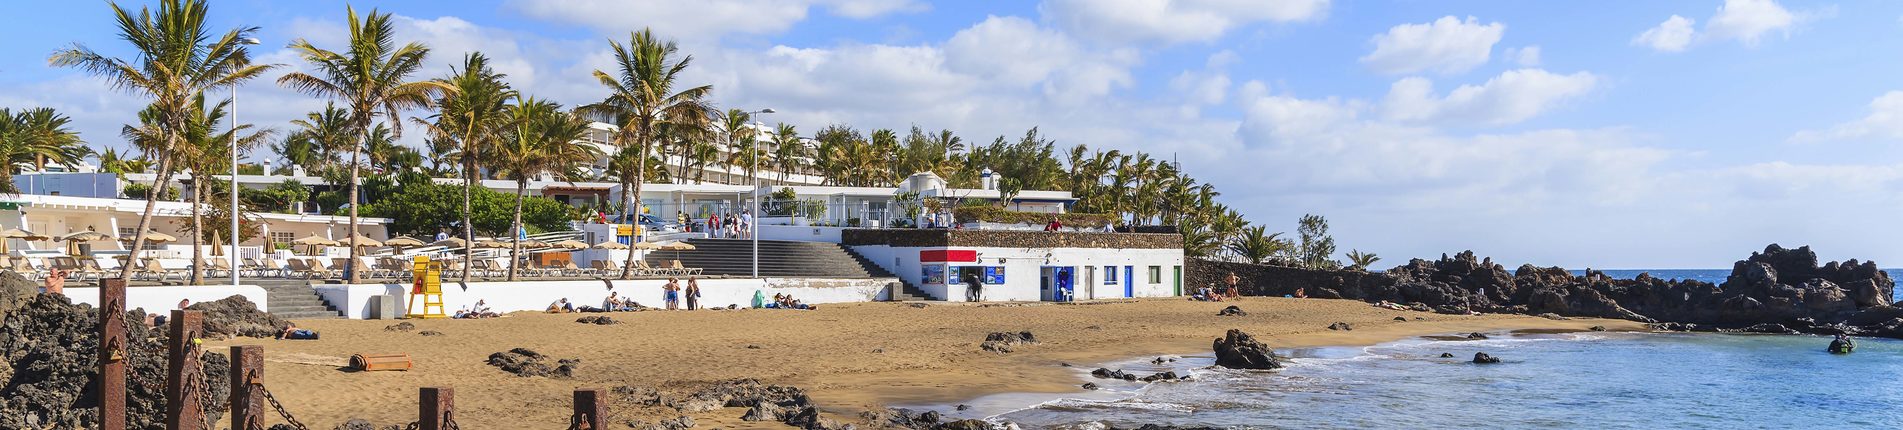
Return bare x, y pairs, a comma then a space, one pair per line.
780, 258
297, 301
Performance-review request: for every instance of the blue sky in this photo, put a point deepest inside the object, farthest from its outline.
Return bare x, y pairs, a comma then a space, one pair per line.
1601, 134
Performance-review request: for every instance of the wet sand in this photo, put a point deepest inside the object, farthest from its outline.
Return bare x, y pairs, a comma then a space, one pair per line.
850, 358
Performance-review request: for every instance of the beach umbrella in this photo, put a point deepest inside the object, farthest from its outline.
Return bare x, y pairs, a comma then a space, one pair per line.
678, 246
645, 245
610, 245
397, 243
73, 239
491, 243
570, 244
314, 241
152, 237
534, 244
360, 241
454, 242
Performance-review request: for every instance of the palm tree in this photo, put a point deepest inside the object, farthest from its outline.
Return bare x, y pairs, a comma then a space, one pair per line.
642, 97
467, 122
1361, 261
207, 149
789, 152
539, 139
117, 163
739, 140
33, 137
387, 156
318, 138
1256, 245
178, 59
371, 79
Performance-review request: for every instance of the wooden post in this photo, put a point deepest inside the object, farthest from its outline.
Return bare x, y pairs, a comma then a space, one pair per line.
591, 409
433, 407
112, 354
247, 398
182, 389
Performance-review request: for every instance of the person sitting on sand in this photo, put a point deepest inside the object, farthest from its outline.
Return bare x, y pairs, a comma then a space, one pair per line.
561, 306
671, 294
612, 303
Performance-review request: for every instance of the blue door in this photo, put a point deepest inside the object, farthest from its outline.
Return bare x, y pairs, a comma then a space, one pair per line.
1129, 281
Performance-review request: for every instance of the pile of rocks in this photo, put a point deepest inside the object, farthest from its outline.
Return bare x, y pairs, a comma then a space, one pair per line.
237, 316
525, 362
597, 320
1004, 342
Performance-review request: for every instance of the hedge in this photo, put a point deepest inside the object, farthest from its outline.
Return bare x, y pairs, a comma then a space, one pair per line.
999, 215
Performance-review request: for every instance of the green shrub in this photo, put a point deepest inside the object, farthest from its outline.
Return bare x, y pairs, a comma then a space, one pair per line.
995, 214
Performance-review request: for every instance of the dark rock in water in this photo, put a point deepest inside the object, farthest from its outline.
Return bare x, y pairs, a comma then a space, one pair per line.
1770, 328
1341, 326
1476, 336
430, 333
1231, 311
597, 320
965, 425
1483, 358
1400, 319
237, 316
1446, 355
963, 407
1160, 376
1238, 350
1103, 373
1004, 342
808, 418
1598, 328
525, 362
1090, 385
906, 418
50, 347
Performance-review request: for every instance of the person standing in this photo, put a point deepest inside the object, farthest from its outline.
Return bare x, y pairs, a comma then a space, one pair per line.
974, 289
746, 224
1232, 280
693, 293
671, 294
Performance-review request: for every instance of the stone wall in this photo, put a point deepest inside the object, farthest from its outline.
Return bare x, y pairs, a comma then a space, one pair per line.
1276, 281
1008, 239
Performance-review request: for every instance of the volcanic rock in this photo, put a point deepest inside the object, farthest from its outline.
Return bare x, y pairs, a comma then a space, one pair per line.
525, 362
1005, 342
402, 326
1342, 326
1483, 358
1238, 350
237, 316
1231, 311
597, 320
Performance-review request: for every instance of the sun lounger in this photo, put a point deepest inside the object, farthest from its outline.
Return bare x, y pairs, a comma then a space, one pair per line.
90, 267
218, 266
684, 269
152, 269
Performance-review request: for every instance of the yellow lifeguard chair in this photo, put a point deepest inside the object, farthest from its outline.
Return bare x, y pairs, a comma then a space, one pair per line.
428, 289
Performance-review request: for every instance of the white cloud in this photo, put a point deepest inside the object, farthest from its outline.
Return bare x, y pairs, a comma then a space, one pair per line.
702, 19
1514, 96
1885, 121
1748, 20
1171, 21
1528, 56
1673, 35
1447, 45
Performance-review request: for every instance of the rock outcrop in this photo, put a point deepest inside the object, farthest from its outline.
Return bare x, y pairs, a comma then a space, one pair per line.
50, 350
1238, 350
1782, 286
237, 316
1004, 342
525, 362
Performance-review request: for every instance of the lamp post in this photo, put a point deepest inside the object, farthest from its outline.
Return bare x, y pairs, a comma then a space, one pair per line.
234, 174
753, 228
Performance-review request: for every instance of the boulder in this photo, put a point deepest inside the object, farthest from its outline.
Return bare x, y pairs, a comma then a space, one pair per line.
1483, 358
1400, 319
1005, 342
1476, 336
1238, 350
1446, 355
1231, 311
527, 363
237, 316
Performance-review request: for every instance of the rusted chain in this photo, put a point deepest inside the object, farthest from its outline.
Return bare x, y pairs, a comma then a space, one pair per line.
280, 408
449, 420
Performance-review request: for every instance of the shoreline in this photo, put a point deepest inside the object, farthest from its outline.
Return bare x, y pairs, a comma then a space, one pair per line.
849, 358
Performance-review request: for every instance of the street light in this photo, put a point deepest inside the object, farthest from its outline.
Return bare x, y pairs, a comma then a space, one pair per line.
753, 228
234, 173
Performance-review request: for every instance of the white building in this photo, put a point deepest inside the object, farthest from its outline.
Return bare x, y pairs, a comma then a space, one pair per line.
54, 216
1027, 265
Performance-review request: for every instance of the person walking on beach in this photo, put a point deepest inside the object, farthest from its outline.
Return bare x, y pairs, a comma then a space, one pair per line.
974, 290
671, 294
693, 293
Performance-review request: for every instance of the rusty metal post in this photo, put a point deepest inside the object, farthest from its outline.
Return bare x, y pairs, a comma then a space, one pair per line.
112, 354
247, 398
183, 385
591, 409
433, 407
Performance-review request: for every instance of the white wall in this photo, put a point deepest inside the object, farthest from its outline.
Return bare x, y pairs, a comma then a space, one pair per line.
354, 300
1024, 270
162, 300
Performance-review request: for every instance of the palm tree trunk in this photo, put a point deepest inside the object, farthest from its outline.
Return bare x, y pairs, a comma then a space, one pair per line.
198, 230
515, 254
640, 176
628, 212
469, 231
350, 266
145, 219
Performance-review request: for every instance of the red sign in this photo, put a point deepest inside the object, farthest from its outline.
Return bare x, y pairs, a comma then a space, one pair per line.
948, 256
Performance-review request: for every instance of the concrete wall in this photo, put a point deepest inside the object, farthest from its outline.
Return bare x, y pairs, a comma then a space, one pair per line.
165, 299
1024, 270
354, 300
802, 233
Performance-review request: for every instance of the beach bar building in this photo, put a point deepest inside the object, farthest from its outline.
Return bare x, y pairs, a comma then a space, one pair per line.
1017, 265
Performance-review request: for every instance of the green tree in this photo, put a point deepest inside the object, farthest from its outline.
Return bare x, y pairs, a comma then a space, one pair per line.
540, 140
789, 152
207, 150
119, 163
31, 138
1256, 244
422, 208
1361, 261
177, 59
281, 197
740, 142
468, 120
1317, 246
371, 78
641, 98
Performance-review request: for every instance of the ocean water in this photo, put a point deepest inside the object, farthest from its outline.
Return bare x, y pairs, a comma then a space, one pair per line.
1549, 381
1715, 276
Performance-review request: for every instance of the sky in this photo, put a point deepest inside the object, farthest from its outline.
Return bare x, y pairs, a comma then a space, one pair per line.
1681, 134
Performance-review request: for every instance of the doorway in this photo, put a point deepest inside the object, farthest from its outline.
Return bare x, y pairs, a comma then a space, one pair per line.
1057, 283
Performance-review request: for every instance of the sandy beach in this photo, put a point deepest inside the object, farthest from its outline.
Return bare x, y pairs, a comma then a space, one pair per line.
850, 358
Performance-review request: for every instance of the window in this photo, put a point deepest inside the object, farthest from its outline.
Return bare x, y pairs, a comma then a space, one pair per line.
1156, 274
282, 236
126, 231
1109, 275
